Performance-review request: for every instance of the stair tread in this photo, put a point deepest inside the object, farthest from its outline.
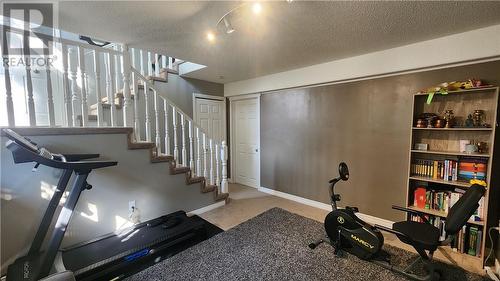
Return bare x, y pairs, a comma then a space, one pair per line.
180, 170
141, 145
105, 106
196, 179
222, 196
169, 70
157, 78
209, 188
91, 117
162, 158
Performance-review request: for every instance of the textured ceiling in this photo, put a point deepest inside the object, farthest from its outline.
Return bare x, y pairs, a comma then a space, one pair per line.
283, 37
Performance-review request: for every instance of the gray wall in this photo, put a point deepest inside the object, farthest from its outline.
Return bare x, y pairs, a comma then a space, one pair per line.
156, 191
306, 132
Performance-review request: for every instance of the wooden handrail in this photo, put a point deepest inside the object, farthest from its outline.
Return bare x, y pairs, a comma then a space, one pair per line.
69, 42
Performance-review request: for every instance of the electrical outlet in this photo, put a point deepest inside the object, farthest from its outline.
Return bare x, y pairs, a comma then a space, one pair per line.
131, 205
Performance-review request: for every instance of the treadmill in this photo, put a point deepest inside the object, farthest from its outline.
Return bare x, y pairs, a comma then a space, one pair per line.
111, 256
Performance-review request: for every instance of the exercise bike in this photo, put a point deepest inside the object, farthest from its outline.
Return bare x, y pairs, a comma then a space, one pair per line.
347, 232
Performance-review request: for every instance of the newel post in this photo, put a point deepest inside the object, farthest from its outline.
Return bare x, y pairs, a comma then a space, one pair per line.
128, 118
223, 157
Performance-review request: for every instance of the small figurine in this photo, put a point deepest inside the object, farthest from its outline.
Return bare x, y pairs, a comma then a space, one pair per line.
440, 123
469, 123
482, 147
430, 121
478, 117
448, 117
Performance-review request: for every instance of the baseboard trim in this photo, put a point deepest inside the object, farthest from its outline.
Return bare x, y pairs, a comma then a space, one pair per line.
207, 208
368, 218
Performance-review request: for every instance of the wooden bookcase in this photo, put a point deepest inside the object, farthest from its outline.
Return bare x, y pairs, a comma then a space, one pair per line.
443, 143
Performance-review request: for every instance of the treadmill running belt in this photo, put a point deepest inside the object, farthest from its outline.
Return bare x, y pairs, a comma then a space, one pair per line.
113, 252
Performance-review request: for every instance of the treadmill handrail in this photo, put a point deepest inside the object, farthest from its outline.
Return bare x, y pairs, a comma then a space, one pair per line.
22, 155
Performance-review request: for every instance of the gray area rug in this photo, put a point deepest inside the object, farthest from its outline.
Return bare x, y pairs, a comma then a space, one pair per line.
273, 246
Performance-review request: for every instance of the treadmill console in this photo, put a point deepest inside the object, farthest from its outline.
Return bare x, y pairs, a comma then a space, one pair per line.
31, 146
23, 141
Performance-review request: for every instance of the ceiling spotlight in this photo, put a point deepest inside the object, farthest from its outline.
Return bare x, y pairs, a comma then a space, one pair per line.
289, 1
256, 8
229, 27
210, 36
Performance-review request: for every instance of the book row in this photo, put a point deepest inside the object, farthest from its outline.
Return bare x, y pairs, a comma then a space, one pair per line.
449, 170
468, 240
442, 201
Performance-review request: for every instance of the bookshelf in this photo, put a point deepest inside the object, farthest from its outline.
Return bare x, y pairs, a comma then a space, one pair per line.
453, 153
457, 183
453, 129
440, 214
425, 169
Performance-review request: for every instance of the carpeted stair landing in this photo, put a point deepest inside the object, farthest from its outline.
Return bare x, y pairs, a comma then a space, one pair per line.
273, 246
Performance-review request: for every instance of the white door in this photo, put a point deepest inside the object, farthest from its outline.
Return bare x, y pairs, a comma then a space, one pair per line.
210, 115
246, 143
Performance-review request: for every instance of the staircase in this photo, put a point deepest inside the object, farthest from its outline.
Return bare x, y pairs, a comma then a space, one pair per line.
114, 86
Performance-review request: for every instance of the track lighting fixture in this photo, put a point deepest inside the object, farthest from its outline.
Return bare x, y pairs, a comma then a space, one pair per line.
227, 24
255, 7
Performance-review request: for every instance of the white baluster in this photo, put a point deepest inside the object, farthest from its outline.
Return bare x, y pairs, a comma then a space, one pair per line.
170, 63
8, 97
81, 70
118, 71
128, 117
97, 73
217, 172
198, 154
205, 170
157, 65
8, 89
75, 101
29, 85
111, 88
143, 65
224, 184
50, 98
191, 147
157, 124
148, 119
167, 135
174, 124
183, 141
107, 81
163, 62
66, 90
212, 180
132, 58
150, 64
137, 124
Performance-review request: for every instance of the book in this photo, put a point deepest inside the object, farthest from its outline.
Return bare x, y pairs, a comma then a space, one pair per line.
472, 241
478, 242
419, 197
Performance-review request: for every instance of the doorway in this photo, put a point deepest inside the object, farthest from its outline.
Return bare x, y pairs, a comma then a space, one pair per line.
245, 140
210, 113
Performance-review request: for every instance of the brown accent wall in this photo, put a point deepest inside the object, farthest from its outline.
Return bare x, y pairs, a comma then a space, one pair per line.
306, 132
